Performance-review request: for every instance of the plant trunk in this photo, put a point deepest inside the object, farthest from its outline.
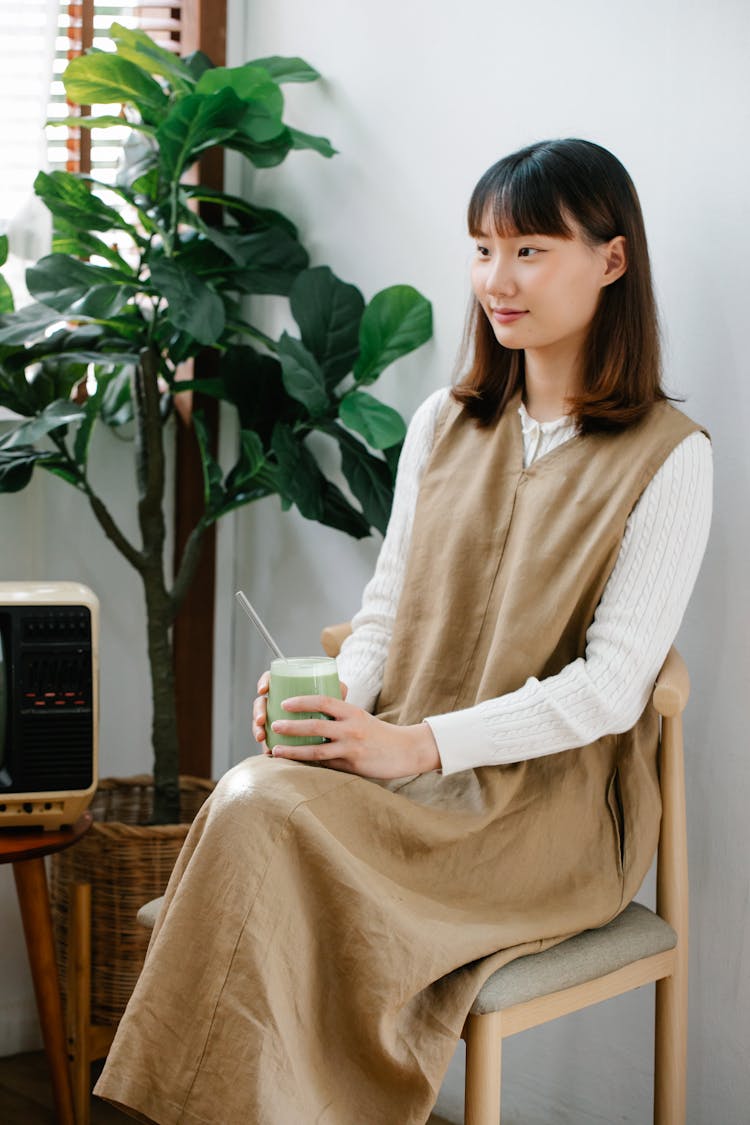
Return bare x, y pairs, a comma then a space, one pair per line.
164, 726
159, 605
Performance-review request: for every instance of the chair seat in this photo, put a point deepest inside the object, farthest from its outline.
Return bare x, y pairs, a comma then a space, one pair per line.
632, 935
149, 912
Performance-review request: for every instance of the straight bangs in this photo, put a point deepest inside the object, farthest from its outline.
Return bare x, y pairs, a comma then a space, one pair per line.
517, 197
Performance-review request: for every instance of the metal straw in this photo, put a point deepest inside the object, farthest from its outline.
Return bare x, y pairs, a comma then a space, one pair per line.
258, 624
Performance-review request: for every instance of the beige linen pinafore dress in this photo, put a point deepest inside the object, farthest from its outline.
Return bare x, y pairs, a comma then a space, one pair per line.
325, 935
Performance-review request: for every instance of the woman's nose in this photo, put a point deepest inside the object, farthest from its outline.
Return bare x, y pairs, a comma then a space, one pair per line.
500, 279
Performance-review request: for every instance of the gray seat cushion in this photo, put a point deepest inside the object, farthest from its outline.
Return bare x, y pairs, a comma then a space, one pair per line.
147, 914
634, 934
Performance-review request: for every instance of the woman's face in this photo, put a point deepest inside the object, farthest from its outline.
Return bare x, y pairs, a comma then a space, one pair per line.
541, 291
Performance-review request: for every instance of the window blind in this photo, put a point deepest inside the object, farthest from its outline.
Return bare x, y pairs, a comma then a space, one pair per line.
26, 49
83, 24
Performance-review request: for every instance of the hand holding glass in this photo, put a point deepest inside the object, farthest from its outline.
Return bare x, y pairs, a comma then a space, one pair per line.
294, 676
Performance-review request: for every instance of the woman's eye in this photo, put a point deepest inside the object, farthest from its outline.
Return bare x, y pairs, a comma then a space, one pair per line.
527, 251
482, 251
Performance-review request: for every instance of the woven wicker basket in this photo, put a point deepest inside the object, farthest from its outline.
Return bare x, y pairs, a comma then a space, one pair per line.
128, 862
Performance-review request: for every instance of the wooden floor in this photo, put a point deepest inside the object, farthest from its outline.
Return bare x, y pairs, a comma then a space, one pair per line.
26, 1095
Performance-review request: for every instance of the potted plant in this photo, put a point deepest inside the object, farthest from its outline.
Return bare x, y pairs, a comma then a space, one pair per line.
138, 283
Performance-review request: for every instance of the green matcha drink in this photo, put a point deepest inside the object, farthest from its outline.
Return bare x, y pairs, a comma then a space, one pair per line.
301, 675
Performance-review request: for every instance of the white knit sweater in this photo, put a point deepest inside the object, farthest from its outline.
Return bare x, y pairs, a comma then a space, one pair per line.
605, 691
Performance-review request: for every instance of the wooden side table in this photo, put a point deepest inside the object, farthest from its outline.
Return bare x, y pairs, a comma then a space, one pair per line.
26, 851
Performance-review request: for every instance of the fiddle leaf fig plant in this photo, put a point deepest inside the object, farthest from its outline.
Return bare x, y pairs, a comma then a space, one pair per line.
140, 281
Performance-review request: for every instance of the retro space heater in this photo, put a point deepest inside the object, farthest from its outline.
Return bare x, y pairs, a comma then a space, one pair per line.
49, 675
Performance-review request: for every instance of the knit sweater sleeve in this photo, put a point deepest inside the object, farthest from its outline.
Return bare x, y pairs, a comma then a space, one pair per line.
362, 659
637, 619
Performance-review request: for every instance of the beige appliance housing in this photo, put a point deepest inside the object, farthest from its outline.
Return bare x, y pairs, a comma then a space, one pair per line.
49, 702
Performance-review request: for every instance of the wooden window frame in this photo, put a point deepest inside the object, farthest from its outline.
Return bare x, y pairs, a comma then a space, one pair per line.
203, 26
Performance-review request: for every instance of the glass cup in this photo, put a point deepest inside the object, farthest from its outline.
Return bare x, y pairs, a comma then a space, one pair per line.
298, 675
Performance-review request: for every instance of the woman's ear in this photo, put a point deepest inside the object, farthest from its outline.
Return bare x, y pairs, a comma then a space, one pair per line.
615, 254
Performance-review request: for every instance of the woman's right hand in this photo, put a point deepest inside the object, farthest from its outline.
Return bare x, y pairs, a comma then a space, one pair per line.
259, 712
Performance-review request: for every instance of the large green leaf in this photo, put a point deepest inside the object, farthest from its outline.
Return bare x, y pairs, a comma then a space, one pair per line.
54, 416
250, 83
260, 94
380, 425
138, 180
260, 125
100, 121
396, 321
193, 124
102, 78
263, 155
339, 513
273, 259
252, 381
213, 489
226, 239
310, 140
61, 281
14, 393
367, 476
26, 324
6, 297
80, 244
48, 370
193, 306
392, 454
17, 466
250, 461
198, 63
117, 405
91, 410
27, 390
70, 198
3, 249
300, 479
247, 215
178, 345
141, 49
102, 302
328, 312
303, 378
287, 69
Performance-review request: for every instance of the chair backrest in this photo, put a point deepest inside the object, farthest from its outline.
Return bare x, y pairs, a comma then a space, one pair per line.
333, 636
669, 697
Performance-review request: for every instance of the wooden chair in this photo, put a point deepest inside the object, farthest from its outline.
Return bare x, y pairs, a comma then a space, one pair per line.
638, 947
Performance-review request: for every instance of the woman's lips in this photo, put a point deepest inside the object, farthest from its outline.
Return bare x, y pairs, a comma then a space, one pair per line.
507, 316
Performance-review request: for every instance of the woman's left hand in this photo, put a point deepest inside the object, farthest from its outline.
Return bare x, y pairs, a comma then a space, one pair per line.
357, 741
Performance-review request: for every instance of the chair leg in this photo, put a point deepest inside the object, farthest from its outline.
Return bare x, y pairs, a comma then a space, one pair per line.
670, 1047
79, 999
484, 1046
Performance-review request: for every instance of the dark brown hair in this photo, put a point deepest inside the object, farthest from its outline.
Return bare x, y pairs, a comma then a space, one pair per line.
535, 191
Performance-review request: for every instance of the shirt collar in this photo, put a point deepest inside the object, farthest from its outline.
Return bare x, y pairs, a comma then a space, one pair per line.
530, 425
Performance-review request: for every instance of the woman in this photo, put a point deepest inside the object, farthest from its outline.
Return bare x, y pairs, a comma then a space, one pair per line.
492, 782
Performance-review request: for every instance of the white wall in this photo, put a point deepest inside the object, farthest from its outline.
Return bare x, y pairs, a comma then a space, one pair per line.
420, 98
48, 532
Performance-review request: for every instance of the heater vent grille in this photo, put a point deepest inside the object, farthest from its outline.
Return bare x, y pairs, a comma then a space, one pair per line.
56, 752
